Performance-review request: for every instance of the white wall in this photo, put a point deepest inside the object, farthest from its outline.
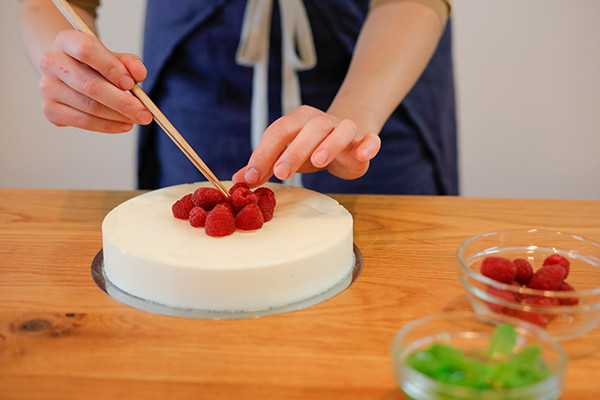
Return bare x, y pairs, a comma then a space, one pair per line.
528, 76
527, 85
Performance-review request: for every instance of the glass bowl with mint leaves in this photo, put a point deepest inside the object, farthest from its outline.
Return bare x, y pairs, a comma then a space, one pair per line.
467, 356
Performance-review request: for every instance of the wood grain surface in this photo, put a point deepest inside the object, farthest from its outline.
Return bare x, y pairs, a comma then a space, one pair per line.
62, 338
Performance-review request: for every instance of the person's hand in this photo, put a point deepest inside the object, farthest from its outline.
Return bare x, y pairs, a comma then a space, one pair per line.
85, 85
308, 140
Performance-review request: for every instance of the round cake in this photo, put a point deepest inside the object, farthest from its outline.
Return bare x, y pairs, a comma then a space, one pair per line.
306, 249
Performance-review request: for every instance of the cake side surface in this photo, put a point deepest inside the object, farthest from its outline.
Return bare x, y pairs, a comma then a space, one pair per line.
303, 251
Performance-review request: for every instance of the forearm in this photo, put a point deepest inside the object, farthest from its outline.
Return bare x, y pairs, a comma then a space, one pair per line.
40, 22
394, 47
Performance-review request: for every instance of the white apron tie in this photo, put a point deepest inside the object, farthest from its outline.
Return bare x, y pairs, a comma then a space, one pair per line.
253, 51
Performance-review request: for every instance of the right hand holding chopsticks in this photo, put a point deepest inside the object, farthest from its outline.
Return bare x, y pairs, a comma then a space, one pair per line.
85, 85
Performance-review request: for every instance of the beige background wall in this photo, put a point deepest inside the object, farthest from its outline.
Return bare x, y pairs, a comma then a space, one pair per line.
527, 86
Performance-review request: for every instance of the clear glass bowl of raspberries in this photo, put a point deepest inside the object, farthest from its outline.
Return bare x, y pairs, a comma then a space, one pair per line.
548, 278
469, 356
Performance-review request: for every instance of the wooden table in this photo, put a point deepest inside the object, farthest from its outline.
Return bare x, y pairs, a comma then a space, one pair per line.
62, 338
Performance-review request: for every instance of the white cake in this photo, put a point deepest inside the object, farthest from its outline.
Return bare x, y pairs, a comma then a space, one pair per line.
302, 252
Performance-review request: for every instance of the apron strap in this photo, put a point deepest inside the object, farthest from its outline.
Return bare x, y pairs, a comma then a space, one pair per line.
253, 50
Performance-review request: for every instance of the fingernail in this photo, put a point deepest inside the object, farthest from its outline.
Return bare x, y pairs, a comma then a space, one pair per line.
144, 117
366, 154
252, 176
126, 82
142, 66
282, 171
320, 157
236, 177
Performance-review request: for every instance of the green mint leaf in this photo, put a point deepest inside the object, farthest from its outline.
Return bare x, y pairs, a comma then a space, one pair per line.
504, 339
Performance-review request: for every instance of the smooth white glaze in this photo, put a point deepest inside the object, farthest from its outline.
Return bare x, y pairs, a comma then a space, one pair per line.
303, 251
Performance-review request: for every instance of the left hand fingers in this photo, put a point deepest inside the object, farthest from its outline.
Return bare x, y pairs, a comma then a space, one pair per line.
274, 142
307, 140
368, 147
334, 143
354, 162
301, 147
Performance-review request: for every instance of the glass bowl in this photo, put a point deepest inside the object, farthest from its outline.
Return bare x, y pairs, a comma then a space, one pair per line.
565, 315
471, 332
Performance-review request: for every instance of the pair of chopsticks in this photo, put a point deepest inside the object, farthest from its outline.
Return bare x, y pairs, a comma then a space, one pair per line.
75, 20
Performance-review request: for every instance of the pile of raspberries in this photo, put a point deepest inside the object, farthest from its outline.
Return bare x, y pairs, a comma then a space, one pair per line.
245, 209
518, 272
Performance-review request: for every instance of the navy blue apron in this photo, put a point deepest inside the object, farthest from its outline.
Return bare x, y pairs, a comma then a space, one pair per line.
189, 51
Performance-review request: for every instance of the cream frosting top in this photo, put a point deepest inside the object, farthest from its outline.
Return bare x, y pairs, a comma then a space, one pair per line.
304, 221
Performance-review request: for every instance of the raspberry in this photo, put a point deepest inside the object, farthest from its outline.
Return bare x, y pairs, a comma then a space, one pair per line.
536, 317
207, 198
207, 207
549, 277
198, 217
558, 259
540, 301
499, 269
266, 202
237, 186
524, 270
567, 301
227, 206
249, 218
219, 222
518, 296
242, 197
182, 207
504, 295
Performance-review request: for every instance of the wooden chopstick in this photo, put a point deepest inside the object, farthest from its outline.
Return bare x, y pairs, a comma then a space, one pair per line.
65, 8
